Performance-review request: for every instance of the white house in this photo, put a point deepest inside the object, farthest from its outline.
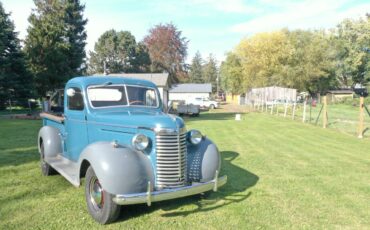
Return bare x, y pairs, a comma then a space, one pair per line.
159, 79
189, 91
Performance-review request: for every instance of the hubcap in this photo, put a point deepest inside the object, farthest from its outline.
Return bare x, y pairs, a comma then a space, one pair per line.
96, 193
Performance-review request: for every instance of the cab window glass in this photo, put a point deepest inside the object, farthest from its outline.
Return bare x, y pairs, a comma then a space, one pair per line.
75, 99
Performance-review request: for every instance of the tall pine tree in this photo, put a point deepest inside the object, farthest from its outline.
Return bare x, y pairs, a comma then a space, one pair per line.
55, 44
210, 72
196, 73
15, 81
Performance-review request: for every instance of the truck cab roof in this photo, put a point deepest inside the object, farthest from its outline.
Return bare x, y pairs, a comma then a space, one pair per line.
97, 80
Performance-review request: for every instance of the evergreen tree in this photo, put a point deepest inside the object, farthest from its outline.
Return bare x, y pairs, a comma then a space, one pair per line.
196, 73
142, 62
15, 81
210, 72
55, 43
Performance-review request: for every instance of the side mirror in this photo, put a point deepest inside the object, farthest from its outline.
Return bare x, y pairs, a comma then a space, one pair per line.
71, 92
169, 106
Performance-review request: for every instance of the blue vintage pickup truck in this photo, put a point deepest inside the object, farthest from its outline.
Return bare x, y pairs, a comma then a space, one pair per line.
114, 132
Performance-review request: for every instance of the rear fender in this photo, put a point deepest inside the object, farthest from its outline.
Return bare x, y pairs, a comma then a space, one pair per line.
51, 139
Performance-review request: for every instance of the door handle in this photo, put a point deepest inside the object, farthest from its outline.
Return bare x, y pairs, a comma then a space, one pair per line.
63, 136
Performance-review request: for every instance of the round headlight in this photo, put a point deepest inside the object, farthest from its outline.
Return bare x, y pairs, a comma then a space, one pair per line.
140, 142
195, 137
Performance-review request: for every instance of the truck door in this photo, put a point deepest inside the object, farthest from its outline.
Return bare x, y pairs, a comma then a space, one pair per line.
75, 123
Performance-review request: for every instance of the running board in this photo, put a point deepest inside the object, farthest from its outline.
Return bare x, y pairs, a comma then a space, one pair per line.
65, 167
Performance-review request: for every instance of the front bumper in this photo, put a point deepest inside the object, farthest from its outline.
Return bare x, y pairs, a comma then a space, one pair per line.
167, 194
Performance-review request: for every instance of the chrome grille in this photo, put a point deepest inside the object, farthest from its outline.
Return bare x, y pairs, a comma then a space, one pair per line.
171, 159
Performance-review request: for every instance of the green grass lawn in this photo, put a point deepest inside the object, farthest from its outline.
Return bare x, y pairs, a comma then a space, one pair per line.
282, 174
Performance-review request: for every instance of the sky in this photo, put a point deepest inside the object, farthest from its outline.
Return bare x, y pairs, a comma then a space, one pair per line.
211, 26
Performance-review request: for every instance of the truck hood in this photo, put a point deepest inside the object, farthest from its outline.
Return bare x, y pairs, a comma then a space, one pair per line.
140, 119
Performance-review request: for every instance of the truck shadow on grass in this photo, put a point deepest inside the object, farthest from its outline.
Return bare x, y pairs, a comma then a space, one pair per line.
234, 191
18, 156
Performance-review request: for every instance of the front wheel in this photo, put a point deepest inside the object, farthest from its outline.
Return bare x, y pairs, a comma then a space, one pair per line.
212, 106
99, 202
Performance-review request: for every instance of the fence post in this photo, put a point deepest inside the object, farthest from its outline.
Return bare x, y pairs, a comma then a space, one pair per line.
361, 121
304, 111
293, 112
325, 114
272, 107
285, 108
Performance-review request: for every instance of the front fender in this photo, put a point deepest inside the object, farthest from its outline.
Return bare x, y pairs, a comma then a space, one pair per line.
120, 169
203, 161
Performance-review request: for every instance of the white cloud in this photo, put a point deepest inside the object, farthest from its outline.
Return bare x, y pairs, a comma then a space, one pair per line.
229, 6
304, 15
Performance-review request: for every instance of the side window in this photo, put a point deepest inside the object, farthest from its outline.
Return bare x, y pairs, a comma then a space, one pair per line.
75, 99
56, 102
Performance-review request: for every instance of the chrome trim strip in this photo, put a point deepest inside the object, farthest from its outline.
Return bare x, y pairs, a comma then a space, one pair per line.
167, 194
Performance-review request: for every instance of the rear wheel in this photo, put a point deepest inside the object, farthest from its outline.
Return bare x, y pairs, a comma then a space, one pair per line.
99, 202
212, 106
46, 169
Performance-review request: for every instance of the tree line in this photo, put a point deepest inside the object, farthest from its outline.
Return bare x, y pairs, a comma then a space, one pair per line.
54, 51
308, 60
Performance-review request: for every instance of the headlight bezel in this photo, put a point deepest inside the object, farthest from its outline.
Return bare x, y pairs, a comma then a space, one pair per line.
140, 141
195, 137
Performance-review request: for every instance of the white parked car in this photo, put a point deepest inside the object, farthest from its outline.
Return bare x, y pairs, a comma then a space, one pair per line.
203, 102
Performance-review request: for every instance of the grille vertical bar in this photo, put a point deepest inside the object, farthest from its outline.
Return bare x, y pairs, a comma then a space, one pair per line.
171, 159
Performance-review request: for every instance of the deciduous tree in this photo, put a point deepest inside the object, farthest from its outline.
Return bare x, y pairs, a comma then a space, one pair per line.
120, 52
310, 65
167, 49
352, 39
232, 78
262, 58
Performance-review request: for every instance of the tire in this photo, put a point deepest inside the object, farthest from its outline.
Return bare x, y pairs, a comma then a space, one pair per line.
46, 169
212, 106
99, 202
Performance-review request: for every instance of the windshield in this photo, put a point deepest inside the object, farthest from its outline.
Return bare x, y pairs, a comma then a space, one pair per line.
115, 95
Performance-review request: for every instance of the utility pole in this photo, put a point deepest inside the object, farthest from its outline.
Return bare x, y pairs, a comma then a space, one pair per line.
217, 82
105, 68
325, 114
